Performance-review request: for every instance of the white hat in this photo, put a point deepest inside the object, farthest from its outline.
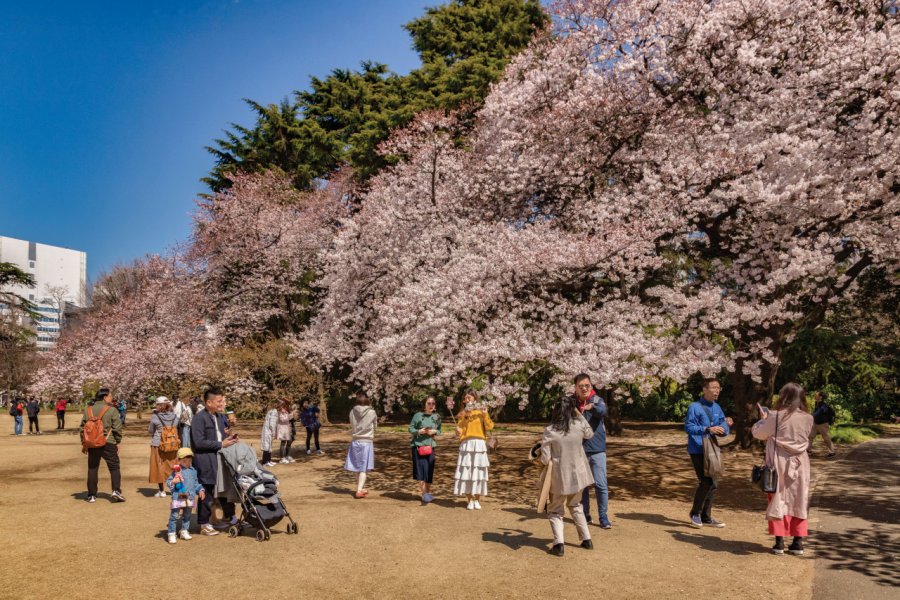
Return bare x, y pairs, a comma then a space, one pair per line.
161, 400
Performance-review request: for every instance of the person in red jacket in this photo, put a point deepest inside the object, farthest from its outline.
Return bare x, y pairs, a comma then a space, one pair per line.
61, 413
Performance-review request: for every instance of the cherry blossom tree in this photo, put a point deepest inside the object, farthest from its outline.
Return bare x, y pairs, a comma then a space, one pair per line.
256, 249
660, 188
151, 336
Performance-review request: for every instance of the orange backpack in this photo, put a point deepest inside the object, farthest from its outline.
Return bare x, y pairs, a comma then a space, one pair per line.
168, 438
92, 434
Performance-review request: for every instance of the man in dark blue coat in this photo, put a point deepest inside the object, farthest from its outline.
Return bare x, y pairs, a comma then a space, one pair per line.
211, 431
593, 408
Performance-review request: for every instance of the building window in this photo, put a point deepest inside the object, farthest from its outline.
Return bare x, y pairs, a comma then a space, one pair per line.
30, 264
31, 297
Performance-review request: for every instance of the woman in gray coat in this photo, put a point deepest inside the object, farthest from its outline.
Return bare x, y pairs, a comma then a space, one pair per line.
570, 474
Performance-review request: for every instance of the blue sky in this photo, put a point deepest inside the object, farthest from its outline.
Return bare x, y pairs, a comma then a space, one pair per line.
105, 107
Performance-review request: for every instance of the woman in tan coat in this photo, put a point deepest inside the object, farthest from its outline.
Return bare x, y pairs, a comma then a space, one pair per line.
570, 473
787, 434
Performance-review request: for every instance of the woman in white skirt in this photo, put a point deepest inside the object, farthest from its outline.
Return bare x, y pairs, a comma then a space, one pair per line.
472, 425
361, 455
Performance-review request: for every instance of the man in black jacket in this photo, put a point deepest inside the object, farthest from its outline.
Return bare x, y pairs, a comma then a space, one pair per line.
33, 407
210, 432
823, 417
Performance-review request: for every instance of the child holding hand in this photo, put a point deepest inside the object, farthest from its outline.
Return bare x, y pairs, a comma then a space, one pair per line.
185, 487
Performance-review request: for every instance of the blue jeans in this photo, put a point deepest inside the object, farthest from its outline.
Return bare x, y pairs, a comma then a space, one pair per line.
185, 436
173, 518
18, 424
598, 468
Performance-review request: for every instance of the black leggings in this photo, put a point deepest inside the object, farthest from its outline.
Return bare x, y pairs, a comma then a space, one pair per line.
267, 456
285, 447
60, 419
33, 422
310, 432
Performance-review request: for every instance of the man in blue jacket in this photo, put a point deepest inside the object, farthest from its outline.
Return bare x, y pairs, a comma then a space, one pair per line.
593, 408
705, 418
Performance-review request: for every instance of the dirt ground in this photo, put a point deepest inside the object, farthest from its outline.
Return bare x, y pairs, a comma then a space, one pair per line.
388, 545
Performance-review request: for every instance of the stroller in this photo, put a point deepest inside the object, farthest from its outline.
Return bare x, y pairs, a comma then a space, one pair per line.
261, 504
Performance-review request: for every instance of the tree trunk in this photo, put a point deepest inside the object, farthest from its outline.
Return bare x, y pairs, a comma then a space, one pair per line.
748, 392
613, 414
323, 399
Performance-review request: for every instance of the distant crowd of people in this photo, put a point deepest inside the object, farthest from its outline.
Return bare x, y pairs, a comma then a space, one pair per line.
186, 462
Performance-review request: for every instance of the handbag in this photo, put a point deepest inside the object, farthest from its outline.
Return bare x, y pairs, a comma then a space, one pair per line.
424, 450
713, 465
491, 439
764, 476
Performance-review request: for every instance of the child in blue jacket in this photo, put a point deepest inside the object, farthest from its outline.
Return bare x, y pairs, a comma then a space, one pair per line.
185, 487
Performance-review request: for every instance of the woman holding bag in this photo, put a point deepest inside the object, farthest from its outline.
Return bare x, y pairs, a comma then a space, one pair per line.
424, 427
787, 435
472, 425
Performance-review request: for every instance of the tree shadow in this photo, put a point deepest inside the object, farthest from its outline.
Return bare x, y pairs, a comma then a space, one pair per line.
717, 544
515, 539
866, 551
653, 519
864, 486
526, 514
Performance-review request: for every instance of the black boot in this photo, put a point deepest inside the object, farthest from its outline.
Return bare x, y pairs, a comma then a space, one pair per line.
796, 547
557, 550
587, 545
778, 548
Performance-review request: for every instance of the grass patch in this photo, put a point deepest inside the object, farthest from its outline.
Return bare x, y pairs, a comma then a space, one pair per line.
849, 433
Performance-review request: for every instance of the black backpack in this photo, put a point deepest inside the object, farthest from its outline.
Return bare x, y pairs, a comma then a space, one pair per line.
12, 409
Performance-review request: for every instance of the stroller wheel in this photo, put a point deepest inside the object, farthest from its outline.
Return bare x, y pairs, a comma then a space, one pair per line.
234, 531
268, 535
292, 528
260, 536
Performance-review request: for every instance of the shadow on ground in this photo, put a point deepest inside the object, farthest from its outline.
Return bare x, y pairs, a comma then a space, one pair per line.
648, 463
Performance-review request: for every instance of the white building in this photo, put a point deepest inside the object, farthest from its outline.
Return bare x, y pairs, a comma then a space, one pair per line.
60, 276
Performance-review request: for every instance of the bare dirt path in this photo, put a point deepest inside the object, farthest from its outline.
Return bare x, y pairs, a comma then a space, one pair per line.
387, 545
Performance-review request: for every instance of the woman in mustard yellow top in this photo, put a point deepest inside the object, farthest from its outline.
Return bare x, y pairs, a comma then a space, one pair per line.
472, 425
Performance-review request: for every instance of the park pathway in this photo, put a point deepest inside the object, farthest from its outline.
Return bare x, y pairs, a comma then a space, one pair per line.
856, 542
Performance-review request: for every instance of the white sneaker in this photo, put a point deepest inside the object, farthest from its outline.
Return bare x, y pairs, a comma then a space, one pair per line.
92, 499
477, 505
208, 530
470, 505
319, 452
284, 461
269, 464
309, 451
172, 539
185, 534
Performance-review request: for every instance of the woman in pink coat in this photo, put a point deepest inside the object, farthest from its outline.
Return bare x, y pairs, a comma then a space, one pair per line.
787, 434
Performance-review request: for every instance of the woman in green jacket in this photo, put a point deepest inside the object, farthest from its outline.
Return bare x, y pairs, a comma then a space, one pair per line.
424, 427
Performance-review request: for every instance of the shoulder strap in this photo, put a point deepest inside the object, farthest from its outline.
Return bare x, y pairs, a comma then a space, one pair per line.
102, 412
91, 412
